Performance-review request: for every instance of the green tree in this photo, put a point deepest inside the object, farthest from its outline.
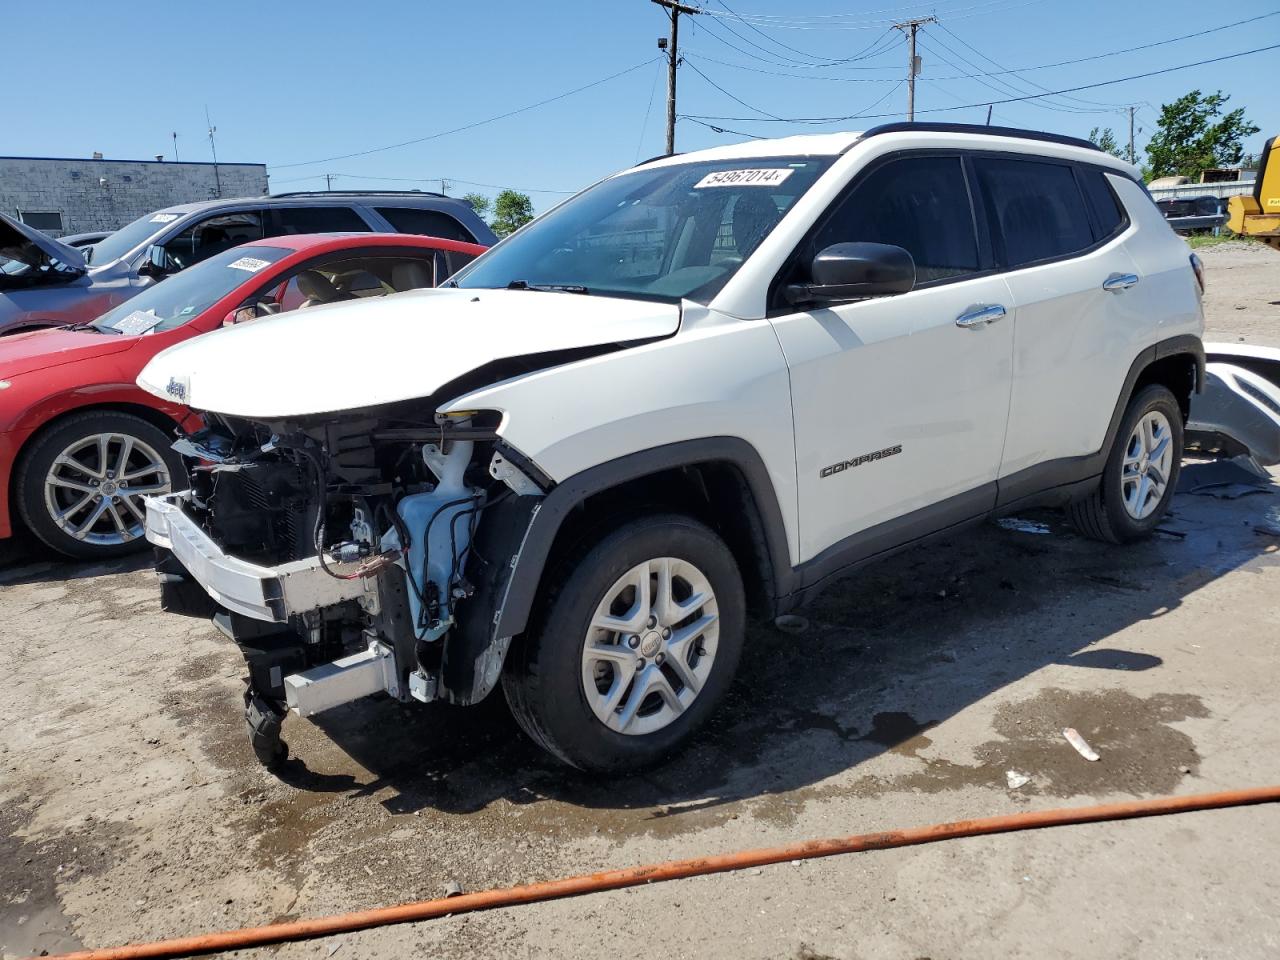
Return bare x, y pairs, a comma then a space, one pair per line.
1106, 140
1194, 134
479, 203
511, 211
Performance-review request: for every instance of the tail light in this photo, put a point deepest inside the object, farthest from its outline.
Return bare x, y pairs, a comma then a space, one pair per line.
1198, 266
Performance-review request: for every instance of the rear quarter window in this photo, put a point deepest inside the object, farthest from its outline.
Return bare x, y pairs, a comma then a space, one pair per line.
1108, 215
427, 223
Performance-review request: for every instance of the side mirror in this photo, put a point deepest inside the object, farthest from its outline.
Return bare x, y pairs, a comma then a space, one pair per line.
156, 264
266, 307
854, 271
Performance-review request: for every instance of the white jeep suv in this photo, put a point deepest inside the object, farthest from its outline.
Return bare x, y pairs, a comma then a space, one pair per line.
706, 386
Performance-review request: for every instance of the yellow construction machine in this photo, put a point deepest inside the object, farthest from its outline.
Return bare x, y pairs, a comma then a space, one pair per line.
1259, 215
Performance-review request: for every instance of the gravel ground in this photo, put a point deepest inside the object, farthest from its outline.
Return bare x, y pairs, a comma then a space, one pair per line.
130, 807
1242, 294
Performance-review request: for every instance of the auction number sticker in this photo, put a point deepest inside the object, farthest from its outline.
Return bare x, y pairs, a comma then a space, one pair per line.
140, 321
165, 217
252, 264
759, 177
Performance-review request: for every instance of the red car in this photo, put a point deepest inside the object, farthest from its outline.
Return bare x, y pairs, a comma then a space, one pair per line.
80, 443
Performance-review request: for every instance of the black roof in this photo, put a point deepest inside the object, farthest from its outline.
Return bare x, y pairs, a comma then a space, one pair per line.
931, 127
364, 193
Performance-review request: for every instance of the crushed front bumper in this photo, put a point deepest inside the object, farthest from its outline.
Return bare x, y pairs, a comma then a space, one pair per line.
263, 593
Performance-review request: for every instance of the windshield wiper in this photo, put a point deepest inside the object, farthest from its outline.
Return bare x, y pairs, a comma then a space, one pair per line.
79, 327
552, 287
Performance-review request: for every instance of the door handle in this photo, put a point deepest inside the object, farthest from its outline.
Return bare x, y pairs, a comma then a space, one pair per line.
1119, 281
976, 319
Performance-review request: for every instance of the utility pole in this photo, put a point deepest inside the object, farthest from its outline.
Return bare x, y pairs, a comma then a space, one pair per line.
909, 27
328, 181
1131, 153
175, 146
673, 60
213, 146
988, 114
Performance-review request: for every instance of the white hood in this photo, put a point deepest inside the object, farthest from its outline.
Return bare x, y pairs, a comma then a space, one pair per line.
364, 353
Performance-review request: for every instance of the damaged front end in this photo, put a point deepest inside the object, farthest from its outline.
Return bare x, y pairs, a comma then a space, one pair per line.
350, 554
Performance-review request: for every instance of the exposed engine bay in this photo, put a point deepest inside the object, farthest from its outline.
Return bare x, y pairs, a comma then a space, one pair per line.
348, 554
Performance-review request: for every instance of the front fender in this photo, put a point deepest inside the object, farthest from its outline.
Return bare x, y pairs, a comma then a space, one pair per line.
517, 540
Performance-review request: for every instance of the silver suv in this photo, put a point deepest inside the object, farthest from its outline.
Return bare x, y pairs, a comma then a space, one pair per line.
45, 283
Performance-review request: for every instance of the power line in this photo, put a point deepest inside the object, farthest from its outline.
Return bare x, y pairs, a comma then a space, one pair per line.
648, 111
469, 183
752, 26
1035, 96
994, 73
863, 20
1038, 86
781, 60
469, 126
861, 113
1005, 88
736, 100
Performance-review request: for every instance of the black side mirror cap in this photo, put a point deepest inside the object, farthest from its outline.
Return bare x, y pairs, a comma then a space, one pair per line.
855, 271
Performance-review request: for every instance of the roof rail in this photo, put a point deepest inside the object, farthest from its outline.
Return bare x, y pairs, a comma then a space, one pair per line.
364, 193
929, 127
661, 156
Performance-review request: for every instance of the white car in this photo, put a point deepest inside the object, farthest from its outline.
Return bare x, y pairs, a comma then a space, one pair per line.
704, 387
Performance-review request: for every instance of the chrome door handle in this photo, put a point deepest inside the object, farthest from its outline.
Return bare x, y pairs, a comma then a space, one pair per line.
1119, 281
980, 317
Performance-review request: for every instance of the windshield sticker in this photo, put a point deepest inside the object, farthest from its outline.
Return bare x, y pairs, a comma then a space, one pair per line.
140, 321
165, 217
252, 264
744, 178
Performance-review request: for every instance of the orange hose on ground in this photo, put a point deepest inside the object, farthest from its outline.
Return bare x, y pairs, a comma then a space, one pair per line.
670, 870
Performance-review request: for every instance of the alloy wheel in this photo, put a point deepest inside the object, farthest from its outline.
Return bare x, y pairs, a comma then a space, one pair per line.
94, 489
651, 646
1147, 465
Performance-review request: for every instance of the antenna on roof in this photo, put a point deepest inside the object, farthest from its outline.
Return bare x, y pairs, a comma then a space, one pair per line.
175, 145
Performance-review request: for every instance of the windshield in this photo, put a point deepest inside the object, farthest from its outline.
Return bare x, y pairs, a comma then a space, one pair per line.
116, 245
184, 296
665, 233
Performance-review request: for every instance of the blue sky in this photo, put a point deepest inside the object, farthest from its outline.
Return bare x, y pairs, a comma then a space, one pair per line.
287, 82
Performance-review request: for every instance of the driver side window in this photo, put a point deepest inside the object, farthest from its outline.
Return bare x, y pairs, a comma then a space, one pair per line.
918, 203
212, 235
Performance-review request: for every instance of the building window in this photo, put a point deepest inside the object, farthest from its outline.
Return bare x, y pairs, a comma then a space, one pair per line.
41, 221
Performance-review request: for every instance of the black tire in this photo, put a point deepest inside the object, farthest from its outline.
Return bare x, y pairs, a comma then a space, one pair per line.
542, 677
38, 458
1102, 514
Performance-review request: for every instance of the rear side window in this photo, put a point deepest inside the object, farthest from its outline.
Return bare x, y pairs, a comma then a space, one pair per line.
457, 260
427, 223
291, 220
1108, 216
1035, 209
918, 203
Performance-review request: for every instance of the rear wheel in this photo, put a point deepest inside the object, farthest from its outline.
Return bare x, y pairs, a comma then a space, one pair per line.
637, 644
80, 486
1140, 474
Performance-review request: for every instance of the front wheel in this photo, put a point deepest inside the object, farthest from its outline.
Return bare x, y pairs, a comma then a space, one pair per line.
1140, 474
80, 485
634, 648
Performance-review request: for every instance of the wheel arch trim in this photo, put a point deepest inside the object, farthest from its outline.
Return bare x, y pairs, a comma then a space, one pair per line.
529, 562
